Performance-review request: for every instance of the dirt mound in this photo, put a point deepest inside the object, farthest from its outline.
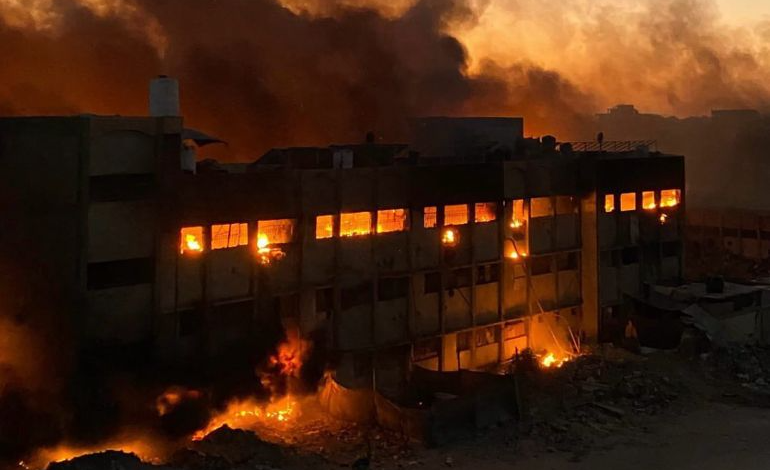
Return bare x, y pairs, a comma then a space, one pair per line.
230, 447
111, 460
594, 396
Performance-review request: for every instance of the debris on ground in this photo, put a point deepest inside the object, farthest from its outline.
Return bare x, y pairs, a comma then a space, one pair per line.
111, 459
593, 401
748, 365
238, 446
594, 396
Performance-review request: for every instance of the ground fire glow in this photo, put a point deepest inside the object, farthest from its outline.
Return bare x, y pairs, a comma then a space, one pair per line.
251, 415
146, 448
275, 413
551, 361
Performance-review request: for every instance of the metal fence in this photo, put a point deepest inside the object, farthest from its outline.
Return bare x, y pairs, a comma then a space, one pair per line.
613, 146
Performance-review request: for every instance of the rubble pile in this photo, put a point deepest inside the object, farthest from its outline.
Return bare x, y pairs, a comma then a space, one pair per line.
228, 448
592, 397
749, 365
111, 459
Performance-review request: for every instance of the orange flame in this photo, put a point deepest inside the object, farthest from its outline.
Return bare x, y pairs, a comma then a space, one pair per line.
449, 237
609, 203
191, 240
648, 200
670, 198
551, 361
251, 415
267, 253
289, 357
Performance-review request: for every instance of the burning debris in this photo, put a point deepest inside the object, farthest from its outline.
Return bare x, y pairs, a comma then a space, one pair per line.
594, 395
253, 415
281, 408
135, 448
550, 361
112, 459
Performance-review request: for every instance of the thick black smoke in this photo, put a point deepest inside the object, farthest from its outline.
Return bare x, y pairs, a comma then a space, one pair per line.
258, 75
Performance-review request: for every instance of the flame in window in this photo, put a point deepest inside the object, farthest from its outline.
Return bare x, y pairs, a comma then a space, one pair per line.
627, 202
191, 240
276, 231
485, 212
430, 217
229, 235
609, 203
648, 200
391, 220
263, 243
670, 197
324, 227
519, 217
355, 224
456, 214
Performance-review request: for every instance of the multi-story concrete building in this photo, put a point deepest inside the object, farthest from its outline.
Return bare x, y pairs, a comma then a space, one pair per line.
385, 256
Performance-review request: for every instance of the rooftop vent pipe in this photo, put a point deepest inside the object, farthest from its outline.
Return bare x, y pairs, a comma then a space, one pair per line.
164, 96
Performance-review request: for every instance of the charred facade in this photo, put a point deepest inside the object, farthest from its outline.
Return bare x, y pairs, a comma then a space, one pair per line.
454, 253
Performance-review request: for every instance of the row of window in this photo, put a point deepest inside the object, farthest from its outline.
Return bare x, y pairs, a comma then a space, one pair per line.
350, 224
398, 287
632, 255
353, 224
650, 200
193, 239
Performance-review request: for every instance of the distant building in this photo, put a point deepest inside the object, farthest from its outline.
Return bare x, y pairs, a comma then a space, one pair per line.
453, 259
726, 151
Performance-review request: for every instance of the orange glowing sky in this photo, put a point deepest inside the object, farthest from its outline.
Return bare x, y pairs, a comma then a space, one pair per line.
550, 61
744, 11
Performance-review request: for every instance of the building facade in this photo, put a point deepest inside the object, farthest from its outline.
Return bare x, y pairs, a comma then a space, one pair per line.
386, 257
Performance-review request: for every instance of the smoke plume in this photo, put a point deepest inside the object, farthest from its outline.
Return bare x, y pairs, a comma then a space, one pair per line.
263, 73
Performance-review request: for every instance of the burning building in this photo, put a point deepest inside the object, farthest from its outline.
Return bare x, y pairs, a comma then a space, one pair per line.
455, 251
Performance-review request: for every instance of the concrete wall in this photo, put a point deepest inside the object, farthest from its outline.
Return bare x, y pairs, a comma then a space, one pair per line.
121, 230
122, 151
42, 205
120, 314
427, 319
486, 304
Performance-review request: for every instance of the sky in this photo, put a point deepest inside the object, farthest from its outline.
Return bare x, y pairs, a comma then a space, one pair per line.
741, 12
